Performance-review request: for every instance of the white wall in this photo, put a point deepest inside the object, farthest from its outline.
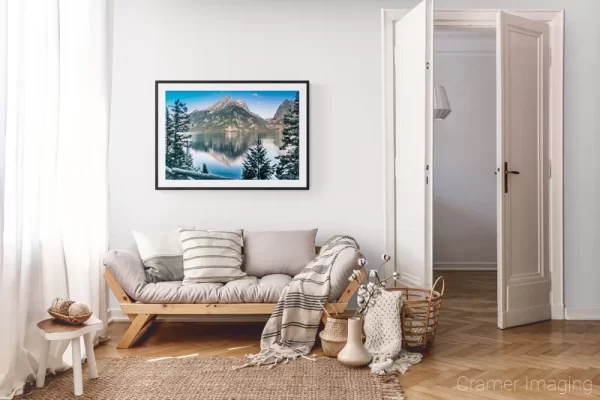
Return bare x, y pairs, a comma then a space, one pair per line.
464, 184
336, 48
336, 45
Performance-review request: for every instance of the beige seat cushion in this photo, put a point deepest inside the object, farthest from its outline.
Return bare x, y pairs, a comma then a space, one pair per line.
244, 290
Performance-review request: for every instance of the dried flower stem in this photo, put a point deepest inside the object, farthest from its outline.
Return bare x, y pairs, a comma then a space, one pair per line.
374, 285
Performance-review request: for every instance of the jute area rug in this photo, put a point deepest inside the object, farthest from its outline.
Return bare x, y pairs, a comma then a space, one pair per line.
213, 379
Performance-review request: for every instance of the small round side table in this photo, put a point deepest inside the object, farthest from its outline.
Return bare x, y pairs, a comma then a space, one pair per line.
50, 329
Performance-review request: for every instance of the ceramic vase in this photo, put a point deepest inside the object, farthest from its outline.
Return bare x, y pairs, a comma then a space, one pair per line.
354, 354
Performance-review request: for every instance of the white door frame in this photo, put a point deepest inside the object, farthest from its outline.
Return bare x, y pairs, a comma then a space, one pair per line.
485, 19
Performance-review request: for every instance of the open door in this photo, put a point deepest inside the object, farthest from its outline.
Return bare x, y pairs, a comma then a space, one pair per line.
523, 170
413, 67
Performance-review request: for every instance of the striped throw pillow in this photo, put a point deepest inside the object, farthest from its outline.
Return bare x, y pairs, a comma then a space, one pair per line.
211, 256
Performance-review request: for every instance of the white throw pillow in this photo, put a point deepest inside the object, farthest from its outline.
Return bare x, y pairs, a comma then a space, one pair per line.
211, 255
161, 255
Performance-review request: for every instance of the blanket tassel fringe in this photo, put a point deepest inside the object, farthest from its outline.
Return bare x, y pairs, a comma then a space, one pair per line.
272, 357
391, 388
383, 364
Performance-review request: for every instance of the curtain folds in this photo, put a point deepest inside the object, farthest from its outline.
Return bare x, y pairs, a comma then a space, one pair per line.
55, 60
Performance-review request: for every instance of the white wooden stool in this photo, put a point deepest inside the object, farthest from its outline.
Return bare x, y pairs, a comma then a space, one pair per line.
53, 330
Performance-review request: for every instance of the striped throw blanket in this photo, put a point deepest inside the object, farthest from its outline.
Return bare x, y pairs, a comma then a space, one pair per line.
290, 331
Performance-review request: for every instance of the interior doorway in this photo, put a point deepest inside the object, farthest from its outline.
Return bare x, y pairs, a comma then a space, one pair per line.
464, 160
529, 107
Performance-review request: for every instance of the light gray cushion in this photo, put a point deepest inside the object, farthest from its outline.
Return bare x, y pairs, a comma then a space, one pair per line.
286, 252
161, 255
126, 265
211, 256
249, 289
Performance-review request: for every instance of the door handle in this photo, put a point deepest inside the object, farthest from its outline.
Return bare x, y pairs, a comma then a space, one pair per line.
506, 172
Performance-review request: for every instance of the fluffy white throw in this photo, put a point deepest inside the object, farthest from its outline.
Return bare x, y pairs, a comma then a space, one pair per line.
291, 330
383, 331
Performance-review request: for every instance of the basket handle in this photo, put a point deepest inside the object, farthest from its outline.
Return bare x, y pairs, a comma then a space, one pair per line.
436, 283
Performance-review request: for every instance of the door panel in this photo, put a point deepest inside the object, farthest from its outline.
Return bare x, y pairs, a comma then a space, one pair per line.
523, 258
413, 55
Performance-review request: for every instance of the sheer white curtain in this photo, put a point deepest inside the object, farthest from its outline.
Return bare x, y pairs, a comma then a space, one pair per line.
55, 64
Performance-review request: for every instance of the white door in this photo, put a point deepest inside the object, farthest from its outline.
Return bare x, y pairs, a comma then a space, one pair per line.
413, 56
523, 170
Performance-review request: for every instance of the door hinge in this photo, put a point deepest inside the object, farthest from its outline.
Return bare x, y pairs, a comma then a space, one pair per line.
427, 174
427, 65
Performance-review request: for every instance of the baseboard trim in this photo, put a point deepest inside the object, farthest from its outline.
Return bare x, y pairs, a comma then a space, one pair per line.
582, 313
557, 311
406, 280
465, 266
117, 315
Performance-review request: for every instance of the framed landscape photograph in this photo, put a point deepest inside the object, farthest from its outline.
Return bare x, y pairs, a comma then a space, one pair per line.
231, 135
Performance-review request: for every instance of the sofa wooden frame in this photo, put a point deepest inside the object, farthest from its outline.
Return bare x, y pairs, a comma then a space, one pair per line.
143, 315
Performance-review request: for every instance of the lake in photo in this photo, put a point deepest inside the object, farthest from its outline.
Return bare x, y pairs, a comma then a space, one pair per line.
224, 152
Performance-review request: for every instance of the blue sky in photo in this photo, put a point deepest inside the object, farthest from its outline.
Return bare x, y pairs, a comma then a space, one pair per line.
263, 103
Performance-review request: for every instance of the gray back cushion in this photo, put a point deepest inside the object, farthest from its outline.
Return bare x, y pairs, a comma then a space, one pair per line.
285, 252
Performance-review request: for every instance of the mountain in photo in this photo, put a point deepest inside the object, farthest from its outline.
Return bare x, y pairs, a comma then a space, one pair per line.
227, 101
231, 115
283, 109
227, 115
276, 123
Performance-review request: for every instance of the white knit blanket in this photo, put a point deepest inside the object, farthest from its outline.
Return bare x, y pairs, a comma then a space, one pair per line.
383, 331
291, 330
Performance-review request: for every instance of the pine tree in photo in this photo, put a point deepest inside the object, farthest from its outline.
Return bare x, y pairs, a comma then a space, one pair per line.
180, 141
204, 169
188, 161
257, 164
170, 138
289, 160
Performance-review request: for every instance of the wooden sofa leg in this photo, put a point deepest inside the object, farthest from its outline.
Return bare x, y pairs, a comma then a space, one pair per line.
141, 323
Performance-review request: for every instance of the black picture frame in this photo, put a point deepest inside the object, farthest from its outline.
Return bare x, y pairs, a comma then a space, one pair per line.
304, 101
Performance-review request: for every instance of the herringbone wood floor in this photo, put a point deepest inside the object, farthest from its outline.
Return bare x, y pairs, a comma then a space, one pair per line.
470, 359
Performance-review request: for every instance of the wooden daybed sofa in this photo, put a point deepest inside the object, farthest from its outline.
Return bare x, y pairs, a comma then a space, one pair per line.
142, 302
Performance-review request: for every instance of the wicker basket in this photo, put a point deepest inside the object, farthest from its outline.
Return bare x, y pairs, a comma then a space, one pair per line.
335, 335
420, 314
69, 319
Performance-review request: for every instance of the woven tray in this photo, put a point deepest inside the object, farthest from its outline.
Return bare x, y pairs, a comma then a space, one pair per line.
70, 319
